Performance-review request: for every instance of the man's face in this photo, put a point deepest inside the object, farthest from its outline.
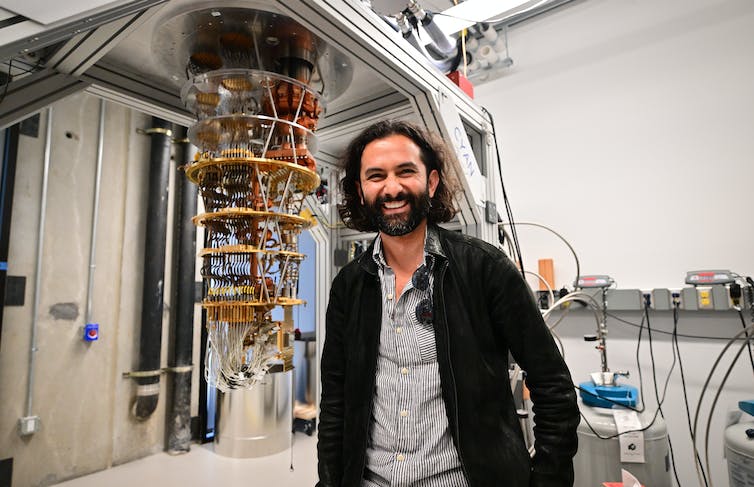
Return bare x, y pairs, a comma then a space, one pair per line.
394, 184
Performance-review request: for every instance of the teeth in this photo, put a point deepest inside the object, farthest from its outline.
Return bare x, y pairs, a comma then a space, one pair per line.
394, 204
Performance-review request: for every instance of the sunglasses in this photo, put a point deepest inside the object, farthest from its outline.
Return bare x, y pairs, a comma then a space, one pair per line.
420, 281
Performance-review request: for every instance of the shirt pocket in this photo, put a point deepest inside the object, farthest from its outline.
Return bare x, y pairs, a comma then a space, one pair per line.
425, 338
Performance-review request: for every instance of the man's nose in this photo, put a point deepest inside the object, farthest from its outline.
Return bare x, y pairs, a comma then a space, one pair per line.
392, 186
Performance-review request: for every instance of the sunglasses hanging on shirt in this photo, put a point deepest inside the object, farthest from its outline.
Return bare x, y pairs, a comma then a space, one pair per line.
420, 279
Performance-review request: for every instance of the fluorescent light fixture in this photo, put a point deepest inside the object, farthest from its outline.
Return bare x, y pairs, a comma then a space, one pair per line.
470, 12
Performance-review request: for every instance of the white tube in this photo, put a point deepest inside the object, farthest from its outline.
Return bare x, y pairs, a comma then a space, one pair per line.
488, 54
490, 34
500, 45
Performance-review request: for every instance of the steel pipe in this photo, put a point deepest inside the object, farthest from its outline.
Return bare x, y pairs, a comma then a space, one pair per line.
150, 341
38, 269
95, 214
182, 337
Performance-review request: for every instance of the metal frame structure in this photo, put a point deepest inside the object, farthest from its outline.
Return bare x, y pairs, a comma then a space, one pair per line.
419, 90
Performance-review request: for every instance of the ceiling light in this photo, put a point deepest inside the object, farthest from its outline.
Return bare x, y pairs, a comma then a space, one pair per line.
470, 12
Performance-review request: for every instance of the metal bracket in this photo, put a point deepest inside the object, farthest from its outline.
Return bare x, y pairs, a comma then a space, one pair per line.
140, 374
155, 130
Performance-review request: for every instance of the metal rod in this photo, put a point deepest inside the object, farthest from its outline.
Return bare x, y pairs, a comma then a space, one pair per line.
38, 271
95, 213
602, 333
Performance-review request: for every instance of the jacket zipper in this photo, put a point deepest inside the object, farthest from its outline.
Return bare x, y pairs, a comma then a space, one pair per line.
457, 428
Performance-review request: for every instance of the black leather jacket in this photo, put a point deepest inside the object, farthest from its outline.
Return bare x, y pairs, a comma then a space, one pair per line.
482, 310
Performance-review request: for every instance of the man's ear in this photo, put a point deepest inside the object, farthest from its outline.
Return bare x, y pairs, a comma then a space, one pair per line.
433, 181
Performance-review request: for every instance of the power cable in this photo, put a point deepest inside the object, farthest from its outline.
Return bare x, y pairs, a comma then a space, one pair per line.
720, 387
674, 342
748, 339
508, 210
665, 388
545, 227
662, 332
638, 365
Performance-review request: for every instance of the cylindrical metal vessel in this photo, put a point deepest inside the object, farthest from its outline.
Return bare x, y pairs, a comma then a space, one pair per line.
599, 461
739, 451
255, 422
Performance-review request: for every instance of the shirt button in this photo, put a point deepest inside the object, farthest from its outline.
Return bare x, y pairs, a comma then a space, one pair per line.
404, 371
404, 413
400, 457
398, 330
389, 296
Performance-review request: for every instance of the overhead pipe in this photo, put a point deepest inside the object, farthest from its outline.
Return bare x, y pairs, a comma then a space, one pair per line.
148, 376
441, 52
440, 40
38, 269
95, 214
184, 261
444, 65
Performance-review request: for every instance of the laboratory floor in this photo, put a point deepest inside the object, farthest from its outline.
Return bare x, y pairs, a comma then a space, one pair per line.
202, 467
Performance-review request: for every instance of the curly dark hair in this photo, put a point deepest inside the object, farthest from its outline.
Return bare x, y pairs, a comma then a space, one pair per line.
435, 155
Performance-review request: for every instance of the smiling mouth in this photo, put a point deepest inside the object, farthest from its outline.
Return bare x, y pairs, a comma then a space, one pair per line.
394, 205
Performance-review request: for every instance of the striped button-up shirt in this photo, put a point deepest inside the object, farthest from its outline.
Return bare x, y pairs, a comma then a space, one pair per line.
409, 442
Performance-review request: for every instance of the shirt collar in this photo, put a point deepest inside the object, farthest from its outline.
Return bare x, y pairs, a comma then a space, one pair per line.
431, 247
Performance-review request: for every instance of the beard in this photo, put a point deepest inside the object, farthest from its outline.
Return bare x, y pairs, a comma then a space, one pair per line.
399, 224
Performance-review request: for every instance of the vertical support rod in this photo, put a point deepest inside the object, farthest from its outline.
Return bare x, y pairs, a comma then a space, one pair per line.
38, 269
179, 414
150, 341
95, 213
603, 333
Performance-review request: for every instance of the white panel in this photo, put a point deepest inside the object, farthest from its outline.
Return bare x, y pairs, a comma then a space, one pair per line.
5, 14
46, 12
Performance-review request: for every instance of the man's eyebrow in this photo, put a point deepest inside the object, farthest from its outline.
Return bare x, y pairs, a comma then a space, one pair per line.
372, 170
408, 165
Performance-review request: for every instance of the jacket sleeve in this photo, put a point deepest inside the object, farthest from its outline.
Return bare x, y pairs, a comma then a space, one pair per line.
330, 437
556, 413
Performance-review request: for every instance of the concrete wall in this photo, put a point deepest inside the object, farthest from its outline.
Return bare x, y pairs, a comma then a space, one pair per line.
626, 126
79, 392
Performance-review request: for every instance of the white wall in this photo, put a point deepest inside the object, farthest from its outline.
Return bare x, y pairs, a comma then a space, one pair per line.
627, 126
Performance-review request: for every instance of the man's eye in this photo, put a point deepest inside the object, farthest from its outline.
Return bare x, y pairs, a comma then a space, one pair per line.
374, 177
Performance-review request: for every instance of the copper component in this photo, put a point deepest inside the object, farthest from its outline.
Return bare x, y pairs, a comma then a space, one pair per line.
209, 100
203, 61
237, 153
240, 83
297, 52
302, 157
237, 41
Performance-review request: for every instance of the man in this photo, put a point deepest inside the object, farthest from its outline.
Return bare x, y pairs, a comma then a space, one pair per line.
415, 388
